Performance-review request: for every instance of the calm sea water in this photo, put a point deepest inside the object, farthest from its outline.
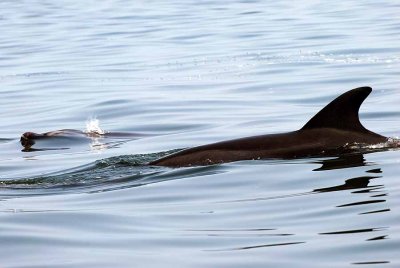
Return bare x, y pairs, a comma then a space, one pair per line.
185, 74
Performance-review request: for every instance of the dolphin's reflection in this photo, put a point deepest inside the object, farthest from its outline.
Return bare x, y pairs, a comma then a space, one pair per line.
350, 184
342, 161
370, 202
360, 184
360, 192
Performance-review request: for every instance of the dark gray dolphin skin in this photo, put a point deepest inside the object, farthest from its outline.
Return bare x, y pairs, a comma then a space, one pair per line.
28, 138
326, 134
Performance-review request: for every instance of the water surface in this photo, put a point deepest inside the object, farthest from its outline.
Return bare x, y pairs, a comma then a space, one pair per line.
185, 74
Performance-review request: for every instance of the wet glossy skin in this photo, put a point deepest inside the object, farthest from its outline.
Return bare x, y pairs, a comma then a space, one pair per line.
327, 133
324, 141
28, 138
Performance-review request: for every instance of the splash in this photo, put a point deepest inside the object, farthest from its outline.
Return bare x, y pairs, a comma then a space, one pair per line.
93, 127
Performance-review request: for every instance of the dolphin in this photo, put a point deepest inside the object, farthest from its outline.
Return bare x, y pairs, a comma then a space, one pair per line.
328, 133
28, 139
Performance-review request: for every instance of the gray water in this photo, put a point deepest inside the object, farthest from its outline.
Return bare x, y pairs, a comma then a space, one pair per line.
183, 74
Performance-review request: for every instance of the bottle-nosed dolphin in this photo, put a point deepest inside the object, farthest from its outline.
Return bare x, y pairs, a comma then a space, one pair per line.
332, 128
28, 139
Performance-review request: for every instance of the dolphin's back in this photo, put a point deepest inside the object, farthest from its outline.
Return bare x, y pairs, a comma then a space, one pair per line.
336, 125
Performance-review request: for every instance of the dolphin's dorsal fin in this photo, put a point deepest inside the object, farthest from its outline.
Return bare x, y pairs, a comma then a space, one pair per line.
342, 112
